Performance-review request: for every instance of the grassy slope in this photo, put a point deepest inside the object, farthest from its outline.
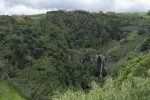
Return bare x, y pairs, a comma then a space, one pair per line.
8, 92
144, 15
37, 17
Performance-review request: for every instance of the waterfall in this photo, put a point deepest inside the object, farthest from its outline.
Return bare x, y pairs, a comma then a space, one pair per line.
101, 67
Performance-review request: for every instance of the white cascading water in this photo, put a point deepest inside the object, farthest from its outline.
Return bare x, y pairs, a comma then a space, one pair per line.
101, 67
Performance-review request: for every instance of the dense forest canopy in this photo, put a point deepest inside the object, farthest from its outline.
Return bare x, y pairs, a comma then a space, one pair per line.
49, 53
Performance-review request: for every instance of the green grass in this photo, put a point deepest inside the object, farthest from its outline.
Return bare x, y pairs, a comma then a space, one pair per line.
144, 15
8, 92
37, 17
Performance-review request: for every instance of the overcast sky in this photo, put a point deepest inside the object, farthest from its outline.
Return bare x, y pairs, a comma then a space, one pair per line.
9, 7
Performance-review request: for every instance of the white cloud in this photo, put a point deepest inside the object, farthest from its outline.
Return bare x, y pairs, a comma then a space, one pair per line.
21, 9
42, 6
132, 5
2, 7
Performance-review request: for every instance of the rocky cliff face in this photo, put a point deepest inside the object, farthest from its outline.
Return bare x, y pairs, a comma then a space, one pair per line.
3, 76
92, 59
96, 59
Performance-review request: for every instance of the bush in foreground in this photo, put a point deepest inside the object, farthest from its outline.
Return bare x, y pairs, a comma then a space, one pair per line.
135, 88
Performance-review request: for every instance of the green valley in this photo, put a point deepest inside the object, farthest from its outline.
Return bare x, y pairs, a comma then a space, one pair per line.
75, 55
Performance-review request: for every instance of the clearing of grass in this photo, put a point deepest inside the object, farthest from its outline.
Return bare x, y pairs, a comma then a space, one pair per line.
144, 15
8, 92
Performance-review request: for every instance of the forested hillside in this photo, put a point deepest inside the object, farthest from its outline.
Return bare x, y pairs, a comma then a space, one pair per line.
46, 54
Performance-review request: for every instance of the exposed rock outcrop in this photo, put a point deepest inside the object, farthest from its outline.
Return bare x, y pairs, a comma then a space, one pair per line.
98, 60
91, 59
4, 77
95, 59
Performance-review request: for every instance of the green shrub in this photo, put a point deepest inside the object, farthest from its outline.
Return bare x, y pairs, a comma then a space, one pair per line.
148, 13
145, 45
141, 31
131, 89
136, 67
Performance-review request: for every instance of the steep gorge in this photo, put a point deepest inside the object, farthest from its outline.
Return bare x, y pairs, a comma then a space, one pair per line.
60, 50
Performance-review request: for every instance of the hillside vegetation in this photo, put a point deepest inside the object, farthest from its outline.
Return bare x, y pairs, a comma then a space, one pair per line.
45, 55
132, 83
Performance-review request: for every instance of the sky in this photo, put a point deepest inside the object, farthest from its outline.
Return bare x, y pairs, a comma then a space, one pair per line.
28, 7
